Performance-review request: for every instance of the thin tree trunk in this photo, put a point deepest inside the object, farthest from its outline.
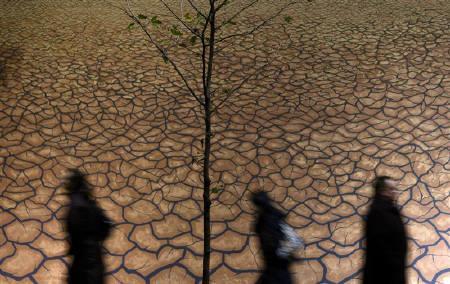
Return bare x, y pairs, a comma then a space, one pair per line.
206, 196
207, 150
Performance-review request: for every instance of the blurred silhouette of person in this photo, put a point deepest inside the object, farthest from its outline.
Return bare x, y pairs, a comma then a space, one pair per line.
278, 241
87, 227
386, 237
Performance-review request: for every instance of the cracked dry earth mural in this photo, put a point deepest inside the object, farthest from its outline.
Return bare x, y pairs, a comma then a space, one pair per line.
355, 89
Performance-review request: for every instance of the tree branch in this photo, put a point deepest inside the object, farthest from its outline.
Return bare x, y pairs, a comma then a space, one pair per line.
212, 41
197, 9
204, 45
236, 14
245, 80
179, 19
259, 26
221, 5
163, 52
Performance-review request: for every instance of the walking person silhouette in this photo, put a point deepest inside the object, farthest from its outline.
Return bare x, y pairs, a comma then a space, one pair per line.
87, 227
278, 241
386, 237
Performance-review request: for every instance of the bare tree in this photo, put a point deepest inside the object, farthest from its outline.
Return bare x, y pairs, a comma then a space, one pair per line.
207, 28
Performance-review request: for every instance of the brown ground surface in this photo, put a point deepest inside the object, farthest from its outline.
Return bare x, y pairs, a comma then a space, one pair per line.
356, 88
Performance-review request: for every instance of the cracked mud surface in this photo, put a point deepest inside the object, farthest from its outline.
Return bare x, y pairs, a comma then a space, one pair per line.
356, 88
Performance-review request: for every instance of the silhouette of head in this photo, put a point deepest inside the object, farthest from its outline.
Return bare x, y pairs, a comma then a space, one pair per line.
385, 187
76, 183
261, 199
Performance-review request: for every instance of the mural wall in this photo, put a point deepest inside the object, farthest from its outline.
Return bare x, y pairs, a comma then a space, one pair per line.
356, 89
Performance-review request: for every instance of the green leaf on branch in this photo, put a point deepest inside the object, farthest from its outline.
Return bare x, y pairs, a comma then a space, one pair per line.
288, 19
175, 31
165, 58
188, 17
193, 40
200, 19
130, 26
155, 22
142, 17
216, 189
165, 42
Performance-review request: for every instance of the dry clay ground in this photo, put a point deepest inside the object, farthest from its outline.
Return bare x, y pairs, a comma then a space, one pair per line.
355, 89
